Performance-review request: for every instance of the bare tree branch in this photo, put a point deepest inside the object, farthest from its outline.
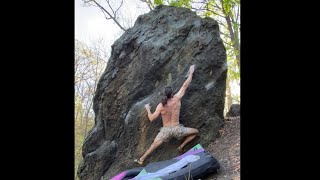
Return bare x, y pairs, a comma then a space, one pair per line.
88, 2
108, 2
112, 17
119, 7
93, 5
215, 13
217, 7
105, 14
228, 43
221, 24
207, 9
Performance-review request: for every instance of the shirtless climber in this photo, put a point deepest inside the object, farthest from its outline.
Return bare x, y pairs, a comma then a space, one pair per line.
169, 109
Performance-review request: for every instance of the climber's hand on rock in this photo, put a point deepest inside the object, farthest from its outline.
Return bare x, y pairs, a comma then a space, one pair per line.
147, 106
191, 70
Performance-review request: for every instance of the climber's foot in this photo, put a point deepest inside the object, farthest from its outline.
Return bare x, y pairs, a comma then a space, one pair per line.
138, 161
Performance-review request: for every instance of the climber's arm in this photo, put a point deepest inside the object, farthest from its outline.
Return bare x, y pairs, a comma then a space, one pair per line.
185, 85
153, 116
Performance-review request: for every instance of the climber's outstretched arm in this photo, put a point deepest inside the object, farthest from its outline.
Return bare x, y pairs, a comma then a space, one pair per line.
186, 84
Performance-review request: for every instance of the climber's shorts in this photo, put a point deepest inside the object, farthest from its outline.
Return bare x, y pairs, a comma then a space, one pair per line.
168, 132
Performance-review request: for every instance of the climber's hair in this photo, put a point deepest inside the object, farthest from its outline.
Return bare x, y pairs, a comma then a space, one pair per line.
168, 93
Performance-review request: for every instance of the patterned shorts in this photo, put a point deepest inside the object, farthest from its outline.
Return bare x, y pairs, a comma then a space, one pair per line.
168, 132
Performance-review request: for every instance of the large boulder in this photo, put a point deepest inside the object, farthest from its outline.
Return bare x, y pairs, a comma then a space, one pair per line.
156, 52
234, 111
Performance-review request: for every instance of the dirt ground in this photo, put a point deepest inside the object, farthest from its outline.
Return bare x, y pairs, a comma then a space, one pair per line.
226, 149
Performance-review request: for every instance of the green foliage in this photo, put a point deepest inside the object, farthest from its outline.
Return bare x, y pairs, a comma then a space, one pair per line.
79, 140
176, 3
236, 99
227, 5
180, 3
234, 72
207, 14
158, 2
79, 137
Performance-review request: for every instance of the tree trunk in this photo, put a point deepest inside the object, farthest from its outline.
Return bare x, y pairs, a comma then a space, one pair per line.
228, 96
87, 119
233, 35
234, 39
77, 113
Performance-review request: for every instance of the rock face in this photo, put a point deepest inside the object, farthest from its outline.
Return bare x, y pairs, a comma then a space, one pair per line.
234, 111
153, 54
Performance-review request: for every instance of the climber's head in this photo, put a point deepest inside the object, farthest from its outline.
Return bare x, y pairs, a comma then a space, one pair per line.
168, 93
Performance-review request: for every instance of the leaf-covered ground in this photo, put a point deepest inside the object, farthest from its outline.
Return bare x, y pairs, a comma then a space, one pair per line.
226, 149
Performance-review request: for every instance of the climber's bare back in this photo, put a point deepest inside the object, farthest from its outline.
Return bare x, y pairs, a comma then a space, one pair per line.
171, 111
